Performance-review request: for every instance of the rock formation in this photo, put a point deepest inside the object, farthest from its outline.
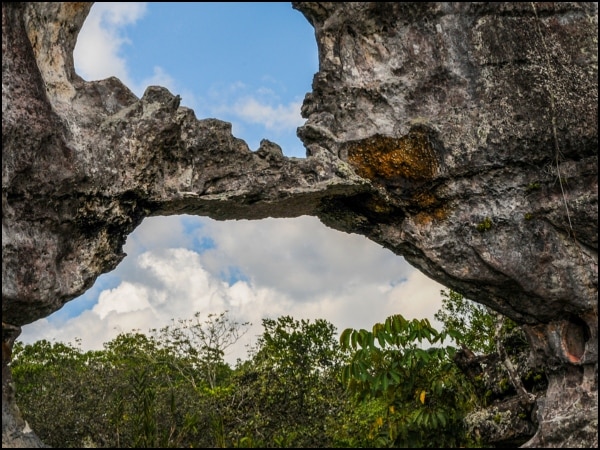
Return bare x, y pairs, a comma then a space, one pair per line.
462, 136
507, 386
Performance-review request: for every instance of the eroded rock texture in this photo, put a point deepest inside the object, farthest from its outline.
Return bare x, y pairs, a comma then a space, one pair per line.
508, 386
460, 135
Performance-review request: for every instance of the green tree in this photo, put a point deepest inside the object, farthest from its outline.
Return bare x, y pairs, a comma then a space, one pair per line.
173, 389
289, 387
470, 324
131, 394
202, 344
57, 389
421, 395
486, 332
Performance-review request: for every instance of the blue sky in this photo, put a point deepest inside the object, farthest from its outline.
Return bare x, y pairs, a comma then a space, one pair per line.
250, 64
247, 63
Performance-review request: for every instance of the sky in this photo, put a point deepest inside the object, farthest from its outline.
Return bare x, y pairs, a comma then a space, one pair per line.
250, 64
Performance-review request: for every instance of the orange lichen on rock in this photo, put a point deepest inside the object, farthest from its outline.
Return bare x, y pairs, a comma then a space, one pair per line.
429, 216
410, 157
425, 200
431, 209
408, 161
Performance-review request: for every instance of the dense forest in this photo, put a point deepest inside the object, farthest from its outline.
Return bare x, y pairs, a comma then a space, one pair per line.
396, 385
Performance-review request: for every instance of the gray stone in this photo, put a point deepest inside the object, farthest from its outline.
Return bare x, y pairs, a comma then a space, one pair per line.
462, 136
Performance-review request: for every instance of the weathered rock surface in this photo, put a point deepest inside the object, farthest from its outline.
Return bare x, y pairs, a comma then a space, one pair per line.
462, 136
508, 389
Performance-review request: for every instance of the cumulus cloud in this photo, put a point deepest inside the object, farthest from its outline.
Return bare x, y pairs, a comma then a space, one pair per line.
301, 256
99, 49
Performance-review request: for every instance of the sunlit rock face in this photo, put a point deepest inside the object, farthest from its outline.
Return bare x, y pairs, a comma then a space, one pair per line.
462, 136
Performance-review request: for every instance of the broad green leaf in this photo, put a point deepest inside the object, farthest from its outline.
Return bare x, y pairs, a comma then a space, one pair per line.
385, 382
371, 340
345, 338
354, 338
381, 338
441, 417
346, 373
377, 328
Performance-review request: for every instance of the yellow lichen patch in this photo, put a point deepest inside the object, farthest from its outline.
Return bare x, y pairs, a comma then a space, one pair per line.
410, 157
424, 200
378, 206
426, 217
431, 208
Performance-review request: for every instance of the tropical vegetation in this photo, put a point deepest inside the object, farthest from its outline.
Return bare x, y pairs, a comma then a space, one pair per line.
301, 386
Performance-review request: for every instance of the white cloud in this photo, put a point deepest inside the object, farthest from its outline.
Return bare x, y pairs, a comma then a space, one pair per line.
126, 298
301, 256
166, 232
118, 14
246, 105
272, 117
97, 53
418, 298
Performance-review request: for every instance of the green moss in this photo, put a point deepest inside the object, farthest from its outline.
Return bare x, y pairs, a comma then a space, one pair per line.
533, 186
528, 216
503, 384
484, 225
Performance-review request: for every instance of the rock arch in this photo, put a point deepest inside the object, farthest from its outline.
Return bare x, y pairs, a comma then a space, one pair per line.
462, 136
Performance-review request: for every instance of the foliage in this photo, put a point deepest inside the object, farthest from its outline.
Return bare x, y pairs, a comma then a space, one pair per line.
298, 388
425, 395
471, 324
173, 389
201, 345
53, 390
137, 392
290, 384
357, 423
150, 408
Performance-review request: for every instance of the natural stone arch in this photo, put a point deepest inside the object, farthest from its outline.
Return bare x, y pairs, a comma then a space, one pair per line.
460, 135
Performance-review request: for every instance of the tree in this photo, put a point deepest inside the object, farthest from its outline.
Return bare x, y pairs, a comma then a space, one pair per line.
495, 358
134, 393
203, 344
392, 386
59, 389
289, 387
470, 324
421, 395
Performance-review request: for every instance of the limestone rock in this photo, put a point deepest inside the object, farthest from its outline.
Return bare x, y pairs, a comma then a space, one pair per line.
462, 136
507, 390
